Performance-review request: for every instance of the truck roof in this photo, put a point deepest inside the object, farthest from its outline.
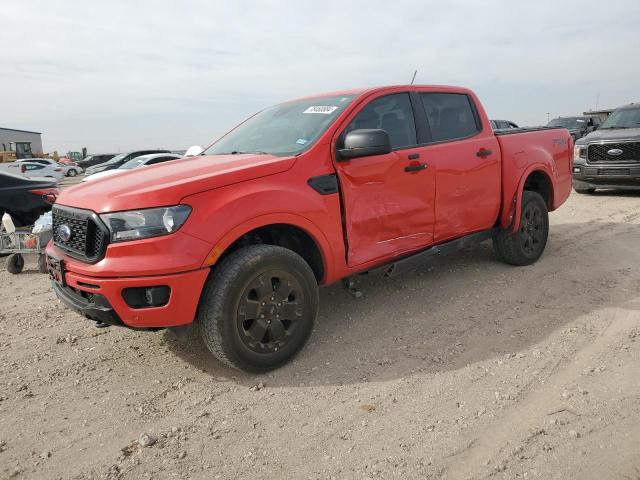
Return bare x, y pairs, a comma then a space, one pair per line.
368, 90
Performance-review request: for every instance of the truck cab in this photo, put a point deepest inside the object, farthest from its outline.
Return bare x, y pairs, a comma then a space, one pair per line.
578, 126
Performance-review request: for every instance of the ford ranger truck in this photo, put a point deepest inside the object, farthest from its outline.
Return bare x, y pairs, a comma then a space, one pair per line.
610, 156
309, 192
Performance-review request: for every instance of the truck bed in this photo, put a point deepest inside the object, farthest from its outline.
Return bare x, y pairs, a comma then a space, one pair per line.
525, 150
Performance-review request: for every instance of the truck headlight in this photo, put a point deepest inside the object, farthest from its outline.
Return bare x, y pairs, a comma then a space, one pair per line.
150, 222
579, 152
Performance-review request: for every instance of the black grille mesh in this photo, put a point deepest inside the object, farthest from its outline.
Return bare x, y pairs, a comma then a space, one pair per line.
87, 240
597, 153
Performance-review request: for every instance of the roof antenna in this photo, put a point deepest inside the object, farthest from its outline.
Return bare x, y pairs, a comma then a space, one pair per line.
414, 76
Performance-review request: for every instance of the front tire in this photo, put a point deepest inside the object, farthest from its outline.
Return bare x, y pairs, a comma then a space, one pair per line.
526, 245
72, 173
258, 307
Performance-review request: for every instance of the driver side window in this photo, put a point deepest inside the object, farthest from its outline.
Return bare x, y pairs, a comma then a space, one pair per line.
392, 113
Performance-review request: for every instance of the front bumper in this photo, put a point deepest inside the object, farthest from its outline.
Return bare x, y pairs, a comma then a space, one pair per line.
94, 307
606, 176
101, 299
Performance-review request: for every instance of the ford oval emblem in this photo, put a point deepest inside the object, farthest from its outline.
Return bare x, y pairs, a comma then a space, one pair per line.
615, 152
64, 233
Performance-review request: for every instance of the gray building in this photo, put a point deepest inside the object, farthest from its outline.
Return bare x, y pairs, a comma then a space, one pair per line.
23, 142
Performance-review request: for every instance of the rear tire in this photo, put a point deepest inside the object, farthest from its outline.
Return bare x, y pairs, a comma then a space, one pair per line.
258, 307
72, 173
526, 245
15, 263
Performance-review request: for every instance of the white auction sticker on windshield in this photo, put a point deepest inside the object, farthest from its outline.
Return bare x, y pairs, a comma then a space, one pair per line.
326, 109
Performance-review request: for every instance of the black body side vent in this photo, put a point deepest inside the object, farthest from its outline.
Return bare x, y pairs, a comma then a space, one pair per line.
324, 184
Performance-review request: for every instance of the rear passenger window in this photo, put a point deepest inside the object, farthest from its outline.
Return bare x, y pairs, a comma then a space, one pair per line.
392, 113
450, 116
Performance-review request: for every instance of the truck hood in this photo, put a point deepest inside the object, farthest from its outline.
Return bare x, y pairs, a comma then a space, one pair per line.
610, 135
168, 183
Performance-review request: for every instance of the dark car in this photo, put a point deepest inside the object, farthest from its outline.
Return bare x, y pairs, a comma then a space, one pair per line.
578, 126
609, 157
503, 125
92, 160
24, 198
119, 160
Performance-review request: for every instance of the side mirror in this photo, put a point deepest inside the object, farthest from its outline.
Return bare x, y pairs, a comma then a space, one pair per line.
193, 151
365, 143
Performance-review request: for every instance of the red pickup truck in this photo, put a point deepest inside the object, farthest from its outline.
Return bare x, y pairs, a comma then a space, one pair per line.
303, 194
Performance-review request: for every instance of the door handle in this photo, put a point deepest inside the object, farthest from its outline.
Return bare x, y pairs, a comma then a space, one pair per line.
415, 168
414, 156
483, 152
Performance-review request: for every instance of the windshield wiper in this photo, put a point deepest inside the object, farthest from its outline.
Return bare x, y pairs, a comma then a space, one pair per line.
256, 152
242, 152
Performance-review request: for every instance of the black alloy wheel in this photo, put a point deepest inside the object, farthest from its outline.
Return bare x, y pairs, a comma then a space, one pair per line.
258, 307
531, 228
269, 310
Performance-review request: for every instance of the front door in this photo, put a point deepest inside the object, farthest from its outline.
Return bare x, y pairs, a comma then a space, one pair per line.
388, 199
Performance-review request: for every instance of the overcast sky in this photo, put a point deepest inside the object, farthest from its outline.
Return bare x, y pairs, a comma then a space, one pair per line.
115, 75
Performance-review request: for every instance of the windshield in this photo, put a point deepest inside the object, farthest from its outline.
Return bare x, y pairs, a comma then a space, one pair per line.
286, 129
623, 118
116, 159
568, 122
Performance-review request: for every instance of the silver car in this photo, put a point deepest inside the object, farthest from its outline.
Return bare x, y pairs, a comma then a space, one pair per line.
141, 161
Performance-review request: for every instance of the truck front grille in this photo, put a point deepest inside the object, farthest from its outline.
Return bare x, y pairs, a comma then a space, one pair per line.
600, 152
88, 236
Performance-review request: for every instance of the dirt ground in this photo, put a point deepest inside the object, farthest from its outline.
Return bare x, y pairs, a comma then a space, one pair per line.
467, 368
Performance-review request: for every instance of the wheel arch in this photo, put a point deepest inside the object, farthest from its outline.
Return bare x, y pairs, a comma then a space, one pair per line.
536, 178
286, 230
538, 181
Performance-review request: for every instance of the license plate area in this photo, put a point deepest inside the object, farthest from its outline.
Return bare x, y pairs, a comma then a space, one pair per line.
55, 266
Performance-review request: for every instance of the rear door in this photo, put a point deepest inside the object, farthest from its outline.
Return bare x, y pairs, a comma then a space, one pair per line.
388, 199
34, 170
466, 162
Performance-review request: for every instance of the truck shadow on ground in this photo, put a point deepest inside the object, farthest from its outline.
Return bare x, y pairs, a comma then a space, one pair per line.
631, 193
457, 310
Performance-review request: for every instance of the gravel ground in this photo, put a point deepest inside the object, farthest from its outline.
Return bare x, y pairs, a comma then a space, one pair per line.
467, 368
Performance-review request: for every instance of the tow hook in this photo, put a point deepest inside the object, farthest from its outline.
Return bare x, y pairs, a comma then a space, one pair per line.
349, 284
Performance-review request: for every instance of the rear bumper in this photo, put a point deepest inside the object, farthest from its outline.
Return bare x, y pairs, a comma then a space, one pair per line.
101, 299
